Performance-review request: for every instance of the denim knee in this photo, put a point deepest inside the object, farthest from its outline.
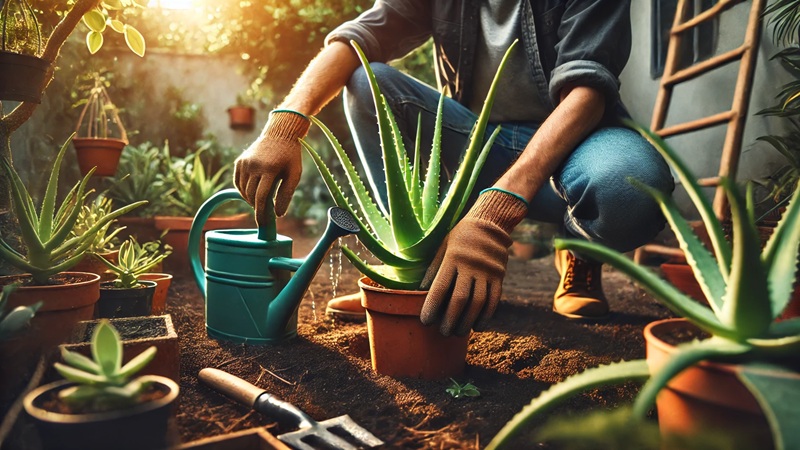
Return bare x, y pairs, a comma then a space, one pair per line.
603, 205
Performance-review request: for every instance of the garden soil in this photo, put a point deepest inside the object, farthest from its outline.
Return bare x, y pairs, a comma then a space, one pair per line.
326, 369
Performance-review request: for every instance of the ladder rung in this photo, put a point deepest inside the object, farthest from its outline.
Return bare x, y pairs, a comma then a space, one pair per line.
705, 66
704, 16
709, 181
698, 124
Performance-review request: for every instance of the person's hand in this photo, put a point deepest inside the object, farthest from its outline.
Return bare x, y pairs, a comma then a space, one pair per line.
275, 157
470, 265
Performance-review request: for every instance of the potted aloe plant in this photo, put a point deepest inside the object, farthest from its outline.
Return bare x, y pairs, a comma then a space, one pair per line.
738, 345
50, 251
405, 239
128, 295
101, 405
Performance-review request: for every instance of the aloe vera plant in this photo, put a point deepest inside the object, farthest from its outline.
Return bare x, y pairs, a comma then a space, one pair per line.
747, 289
135, 259
46, 233
405, 238
102, 381
12, 322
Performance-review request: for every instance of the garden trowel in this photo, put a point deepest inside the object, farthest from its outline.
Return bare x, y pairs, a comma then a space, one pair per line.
350, 435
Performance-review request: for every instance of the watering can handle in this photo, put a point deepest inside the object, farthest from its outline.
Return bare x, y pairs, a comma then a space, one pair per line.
266, 232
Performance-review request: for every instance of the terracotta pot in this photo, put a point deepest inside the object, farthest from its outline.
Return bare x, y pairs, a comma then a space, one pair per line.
705, 397
137, 335
125, 302
400, 346
98, 152
63, 307
163, 281
22, 77
92, 264
242, 117
146, 425
524, 250
178, 235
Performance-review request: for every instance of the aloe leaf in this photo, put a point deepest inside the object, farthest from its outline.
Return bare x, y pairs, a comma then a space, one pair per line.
385, 275
702, 262
774, 387
71, 218
476, 172
785, 347
79, 361
558, 393
747, 308
49, 201
77, 375
689, 181
13, 257
377, 222
664, 292
404, 223
107, 348
430, 193
685, 356
785, 327
26, 212
137, 363
781, 254
415, 188
92, 231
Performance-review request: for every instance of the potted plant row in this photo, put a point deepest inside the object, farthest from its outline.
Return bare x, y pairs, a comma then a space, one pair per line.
406, 240
725, 369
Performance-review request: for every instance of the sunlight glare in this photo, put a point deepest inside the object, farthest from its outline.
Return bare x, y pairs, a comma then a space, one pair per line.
175, 4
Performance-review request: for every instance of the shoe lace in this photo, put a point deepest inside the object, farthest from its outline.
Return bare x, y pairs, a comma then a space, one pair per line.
579, 274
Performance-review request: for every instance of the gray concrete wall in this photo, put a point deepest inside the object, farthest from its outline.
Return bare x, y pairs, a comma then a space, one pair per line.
706, 95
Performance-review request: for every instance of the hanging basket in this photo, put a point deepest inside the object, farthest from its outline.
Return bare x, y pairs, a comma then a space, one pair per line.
100, 136
22, 73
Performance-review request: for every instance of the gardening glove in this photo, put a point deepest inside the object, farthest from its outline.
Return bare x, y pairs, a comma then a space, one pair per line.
469, 267
275, 157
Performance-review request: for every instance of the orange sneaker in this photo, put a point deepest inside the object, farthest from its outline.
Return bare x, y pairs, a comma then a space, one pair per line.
580, 292
347, 307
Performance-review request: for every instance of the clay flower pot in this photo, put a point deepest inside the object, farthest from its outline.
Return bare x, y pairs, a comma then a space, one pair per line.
705, 397
163, 281
400, 346
22, 77
146, 425
242, 117
98, 152
92, 264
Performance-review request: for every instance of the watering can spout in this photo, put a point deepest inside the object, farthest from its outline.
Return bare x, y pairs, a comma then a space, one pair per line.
340, 224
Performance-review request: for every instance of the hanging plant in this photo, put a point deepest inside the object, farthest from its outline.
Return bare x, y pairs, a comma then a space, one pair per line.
22, 71
100, 135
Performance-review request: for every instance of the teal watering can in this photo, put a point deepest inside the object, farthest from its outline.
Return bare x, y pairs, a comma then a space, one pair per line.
251, 295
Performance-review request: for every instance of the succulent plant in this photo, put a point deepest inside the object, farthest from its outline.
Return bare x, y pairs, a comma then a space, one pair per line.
14, 321
135, 259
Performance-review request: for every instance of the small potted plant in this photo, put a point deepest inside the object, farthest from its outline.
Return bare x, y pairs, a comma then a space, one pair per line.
100, 134
100, 404
739, 362
127, 295
406, 240
22, 70
156, 274
242, 115
105, 241
531, 239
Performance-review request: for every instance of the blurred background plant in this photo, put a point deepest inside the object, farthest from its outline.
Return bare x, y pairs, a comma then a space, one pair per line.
92, 213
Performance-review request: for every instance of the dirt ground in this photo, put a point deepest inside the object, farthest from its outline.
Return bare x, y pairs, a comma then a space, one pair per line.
326, 370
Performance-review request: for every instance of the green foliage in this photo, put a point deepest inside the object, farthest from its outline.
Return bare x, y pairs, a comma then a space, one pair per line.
103, 382
46, 233
405, 238
99, 116
18, 318
747, 288
192, 181
111, 14
135, 259
91, 214
140, 177
462, 390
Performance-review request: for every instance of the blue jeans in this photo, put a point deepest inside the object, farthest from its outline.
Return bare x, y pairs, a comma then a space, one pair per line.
589, 194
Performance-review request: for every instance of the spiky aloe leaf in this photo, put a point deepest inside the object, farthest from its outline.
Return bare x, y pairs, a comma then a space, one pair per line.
781, 253
405, 227
24, 209
392, 277
415, 187
774, 387
702, 262
666, 293
746, 309
377, 222
687, 355
430, 193
721, 248
49, 201
595, 377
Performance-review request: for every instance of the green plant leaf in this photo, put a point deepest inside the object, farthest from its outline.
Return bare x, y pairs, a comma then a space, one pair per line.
94, 41
430, 193
775, 389
595, 377
134, 39
95, 20
415, 186
107, 348
389, 276
117, 26
781, 254
79, 361
78, 376
137, 363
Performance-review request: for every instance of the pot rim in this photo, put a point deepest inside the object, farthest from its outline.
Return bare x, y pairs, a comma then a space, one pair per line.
54, 417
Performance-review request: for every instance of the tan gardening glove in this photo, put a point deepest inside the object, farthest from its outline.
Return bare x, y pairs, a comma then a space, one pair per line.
275, 157
471, 264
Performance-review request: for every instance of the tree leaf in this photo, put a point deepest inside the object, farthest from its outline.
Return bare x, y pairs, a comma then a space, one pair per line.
94, 41
95, 20
134, 39
117, 26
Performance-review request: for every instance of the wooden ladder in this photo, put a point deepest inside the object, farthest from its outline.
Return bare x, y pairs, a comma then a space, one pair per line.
734, 118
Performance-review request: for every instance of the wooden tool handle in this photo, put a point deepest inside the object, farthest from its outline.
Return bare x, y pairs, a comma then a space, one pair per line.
231, 385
